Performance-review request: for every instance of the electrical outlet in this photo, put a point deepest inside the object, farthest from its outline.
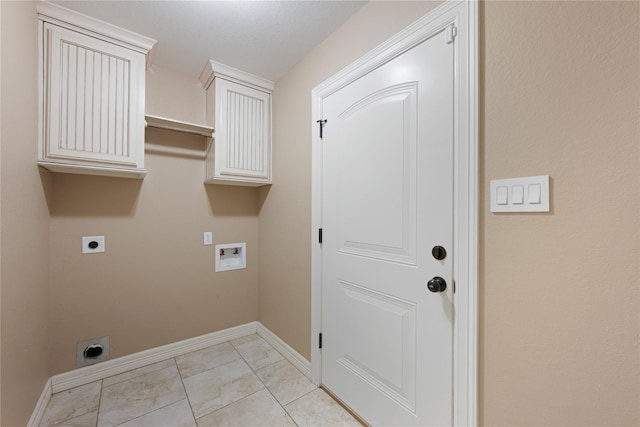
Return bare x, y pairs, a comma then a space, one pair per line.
92, 351
92, 244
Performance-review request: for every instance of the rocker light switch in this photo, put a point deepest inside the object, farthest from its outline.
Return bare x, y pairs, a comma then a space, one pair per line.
534, 194
517, 194
502, 195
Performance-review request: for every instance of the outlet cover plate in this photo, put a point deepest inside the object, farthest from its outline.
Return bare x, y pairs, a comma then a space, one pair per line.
81, 346
92, 244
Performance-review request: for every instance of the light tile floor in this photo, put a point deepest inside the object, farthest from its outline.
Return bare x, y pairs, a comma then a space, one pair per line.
243, 382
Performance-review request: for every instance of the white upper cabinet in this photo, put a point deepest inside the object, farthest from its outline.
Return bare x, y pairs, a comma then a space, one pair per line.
92, 83
239, 110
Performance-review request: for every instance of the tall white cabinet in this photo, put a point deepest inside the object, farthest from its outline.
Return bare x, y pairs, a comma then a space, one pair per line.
92, 88
239, 109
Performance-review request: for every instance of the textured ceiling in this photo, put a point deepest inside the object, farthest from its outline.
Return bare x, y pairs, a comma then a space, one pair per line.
265, 38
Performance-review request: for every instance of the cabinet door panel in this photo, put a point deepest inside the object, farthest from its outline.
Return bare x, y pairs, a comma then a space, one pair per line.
93, 106
243, 132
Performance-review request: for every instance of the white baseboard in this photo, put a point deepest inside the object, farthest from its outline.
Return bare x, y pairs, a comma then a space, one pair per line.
102, 370
41, 406
302, 364
106, 369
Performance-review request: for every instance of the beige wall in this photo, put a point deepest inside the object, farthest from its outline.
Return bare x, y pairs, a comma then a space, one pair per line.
24, 222
156, 282
285, 218
175, 96
559, 292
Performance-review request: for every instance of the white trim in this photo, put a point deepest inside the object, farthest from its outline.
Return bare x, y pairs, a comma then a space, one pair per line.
138, 173
99, 371
71, 19
430, 24
465, 16
215, 69
296, 359
112, 367
41, 406
316, 247
178, 125
88, 374
466, 229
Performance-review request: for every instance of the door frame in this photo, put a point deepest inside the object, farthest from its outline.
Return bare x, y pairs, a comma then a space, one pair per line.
464, 15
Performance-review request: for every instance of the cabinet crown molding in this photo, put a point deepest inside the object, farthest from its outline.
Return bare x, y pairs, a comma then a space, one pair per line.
215, 69
53, 13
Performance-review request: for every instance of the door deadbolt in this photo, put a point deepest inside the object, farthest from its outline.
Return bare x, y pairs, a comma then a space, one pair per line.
437, 284
439, 253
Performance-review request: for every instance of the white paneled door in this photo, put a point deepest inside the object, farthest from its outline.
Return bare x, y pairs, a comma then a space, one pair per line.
387, 202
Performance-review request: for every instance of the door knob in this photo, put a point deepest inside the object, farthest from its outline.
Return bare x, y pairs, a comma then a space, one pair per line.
437, 284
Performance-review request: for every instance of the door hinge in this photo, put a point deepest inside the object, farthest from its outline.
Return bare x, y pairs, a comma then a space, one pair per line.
320, 340
319, 235
450, 33
321, 123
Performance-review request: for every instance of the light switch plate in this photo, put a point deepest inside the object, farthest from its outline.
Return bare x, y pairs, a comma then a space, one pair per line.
529, 194
208, 238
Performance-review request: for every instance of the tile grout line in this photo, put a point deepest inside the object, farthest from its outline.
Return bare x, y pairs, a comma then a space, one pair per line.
246, 363
157, 409
193, 414
216, 367
298, 398
288, 413
229, 404
259, 379
271, 393
99, 403
60, 423
137, 376
265, 386
175, 365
